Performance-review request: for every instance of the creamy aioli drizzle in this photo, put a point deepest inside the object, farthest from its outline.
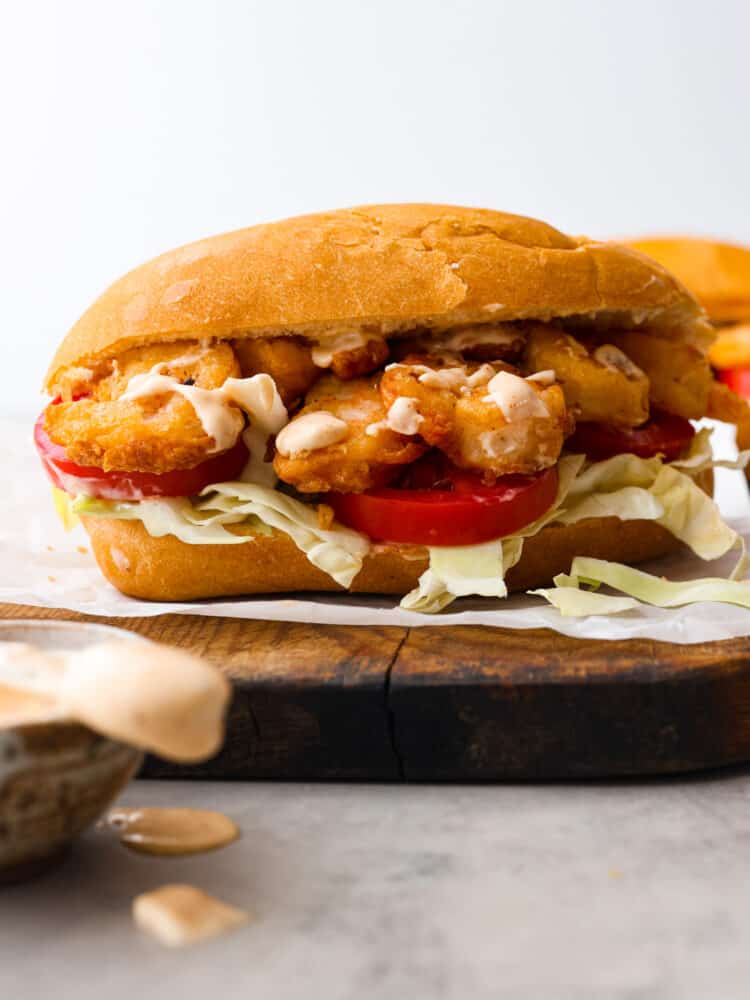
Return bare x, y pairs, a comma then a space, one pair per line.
546, 377
475, 336
514, 397
220, 421
310, 432
496, 443
403, 417
259, 398
327, 347
615, 360
456, 379
218, 411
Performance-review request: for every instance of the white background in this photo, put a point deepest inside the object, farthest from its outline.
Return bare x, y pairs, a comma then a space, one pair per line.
131, 127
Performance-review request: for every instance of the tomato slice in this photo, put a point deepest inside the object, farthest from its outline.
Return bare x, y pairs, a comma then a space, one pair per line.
664, 434
120, 485
738, 380
462, 510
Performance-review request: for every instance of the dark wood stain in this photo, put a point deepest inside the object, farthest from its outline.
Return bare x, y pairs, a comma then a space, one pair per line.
464, 703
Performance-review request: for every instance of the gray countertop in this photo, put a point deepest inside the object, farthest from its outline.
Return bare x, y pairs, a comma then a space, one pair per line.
628, 890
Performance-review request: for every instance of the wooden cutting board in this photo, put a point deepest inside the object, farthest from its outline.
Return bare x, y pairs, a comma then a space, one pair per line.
463, 703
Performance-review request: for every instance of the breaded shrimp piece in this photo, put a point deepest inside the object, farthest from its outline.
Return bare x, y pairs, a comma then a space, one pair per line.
360, 360
477, 342
602, 385
368, 452
483, 417
153, 434
680, 376
288, 360
351, 354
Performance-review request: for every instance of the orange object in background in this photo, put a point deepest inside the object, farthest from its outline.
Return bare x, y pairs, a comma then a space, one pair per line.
718, 274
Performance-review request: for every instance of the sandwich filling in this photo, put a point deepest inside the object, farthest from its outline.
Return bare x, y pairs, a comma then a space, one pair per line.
464, 441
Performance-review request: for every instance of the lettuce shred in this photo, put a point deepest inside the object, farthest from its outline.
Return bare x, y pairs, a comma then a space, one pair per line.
572, 601
337, 551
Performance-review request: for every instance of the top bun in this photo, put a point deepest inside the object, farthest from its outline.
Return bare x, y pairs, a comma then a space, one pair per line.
718, 274
386, 267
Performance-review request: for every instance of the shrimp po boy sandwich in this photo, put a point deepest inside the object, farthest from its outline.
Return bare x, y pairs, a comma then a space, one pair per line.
419, 400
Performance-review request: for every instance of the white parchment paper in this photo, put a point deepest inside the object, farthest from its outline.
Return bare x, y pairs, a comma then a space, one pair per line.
43, 566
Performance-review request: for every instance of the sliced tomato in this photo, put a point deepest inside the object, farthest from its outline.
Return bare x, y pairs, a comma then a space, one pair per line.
664, 434
459, 510
119, 485
738, 380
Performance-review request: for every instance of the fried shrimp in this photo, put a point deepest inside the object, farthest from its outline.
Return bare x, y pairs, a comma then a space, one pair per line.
351, 354
483, 417
363, 452
288, 360
477, 342
154, 434
680, 376
603, 385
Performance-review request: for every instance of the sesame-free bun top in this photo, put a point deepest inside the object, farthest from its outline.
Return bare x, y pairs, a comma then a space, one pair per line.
384, 267
718, 274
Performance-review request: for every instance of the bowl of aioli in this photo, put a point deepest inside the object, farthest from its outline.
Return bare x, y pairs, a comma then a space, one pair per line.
79, 704
57, 776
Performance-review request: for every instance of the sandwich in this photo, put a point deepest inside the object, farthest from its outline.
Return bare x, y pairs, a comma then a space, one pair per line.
718, 274
426, 401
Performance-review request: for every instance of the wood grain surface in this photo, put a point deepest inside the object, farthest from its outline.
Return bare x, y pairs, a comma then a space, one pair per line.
457, 703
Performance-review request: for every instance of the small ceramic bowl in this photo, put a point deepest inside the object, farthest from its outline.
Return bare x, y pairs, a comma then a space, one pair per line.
56, 777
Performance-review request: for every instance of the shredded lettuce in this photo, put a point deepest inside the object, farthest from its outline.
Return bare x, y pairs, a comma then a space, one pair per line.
645, 587
176, 516
693, 517
459, 571
338, 551
699, 456
574, 603
633, 488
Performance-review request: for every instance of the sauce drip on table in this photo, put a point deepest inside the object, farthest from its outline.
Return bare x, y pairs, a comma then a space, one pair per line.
172, 831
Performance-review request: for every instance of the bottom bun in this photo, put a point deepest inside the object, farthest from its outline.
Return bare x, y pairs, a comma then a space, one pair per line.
166, 569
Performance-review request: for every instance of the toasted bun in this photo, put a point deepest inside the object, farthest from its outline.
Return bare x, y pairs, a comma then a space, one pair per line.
165, 569
387, 267
718, 274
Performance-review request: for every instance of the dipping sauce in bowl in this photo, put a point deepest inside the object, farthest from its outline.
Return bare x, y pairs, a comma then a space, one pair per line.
79, 703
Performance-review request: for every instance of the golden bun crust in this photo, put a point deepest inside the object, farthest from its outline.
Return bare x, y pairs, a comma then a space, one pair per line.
718, 274
390, 267
166, 569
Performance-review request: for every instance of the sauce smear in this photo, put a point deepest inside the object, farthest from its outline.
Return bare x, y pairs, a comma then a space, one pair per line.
172, 831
